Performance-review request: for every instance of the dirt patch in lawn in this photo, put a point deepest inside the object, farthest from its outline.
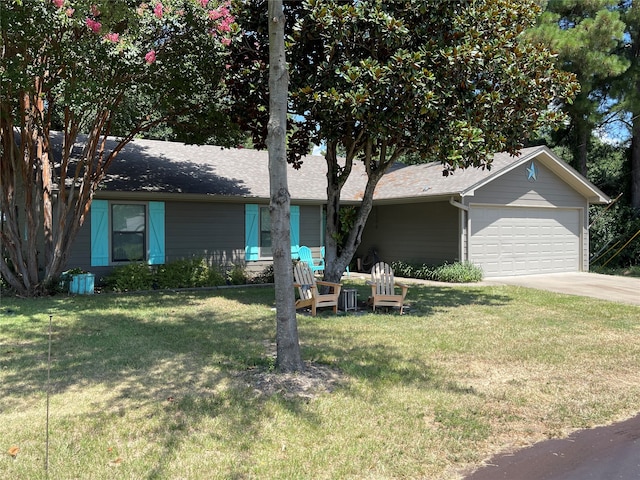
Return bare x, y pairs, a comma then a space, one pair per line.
314, 380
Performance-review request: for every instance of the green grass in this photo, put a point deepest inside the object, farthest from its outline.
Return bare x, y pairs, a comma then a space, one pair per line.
159, 386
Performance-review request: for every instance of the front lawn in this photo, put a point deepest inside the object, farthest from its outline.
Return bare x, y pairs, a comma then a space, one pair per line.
177, 385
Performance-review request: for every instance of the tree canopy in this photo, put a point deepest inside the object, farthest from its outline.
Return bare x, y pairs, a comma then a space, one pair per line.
626, 93
457, 81
586, 37
87, 66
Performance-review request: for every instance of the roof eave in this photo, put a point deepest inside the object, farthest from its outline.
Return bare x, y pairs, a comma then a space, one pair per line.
592, 193
176, 196
416, 199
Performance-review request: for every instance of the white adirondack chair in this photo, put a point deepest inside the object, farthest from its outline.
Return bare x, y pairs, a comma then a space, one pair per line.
383, 288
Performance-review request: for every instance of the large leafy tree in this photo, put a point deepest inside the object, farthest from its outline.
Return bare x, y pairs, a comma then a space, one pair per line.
82, 67
586, 35
379, 80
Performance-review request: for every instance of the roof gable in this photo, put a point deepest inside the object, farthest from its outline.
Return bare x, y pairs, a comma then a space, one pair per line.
560, 168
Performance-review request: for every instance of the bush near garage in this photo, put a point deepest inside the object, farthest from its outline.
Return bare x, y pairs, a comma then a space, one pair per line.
458, 272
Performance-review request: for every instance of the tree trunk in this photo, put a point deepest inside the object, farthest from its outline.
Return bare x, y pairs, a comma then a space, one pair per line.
27, 179
287, 344
583, 133
335, 264
635, 163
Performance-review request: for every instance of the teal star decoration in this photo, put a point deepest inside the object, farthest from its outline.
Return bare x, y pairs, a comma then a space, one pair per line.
532, 173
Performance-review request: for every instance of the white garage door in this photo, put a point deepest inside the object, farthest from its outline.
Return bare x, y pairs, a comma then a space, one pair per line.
523, 241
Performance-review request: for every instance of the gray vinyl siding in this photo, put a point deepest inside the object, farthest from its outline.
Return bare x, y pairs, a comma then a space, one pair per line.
214, 231
513, 188
416, 233
80, 251
585, 237
462, 236
311, 226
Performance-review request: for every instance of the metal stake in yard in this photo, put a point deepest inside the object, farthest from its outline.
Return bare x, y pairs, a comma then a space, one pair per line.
46, 454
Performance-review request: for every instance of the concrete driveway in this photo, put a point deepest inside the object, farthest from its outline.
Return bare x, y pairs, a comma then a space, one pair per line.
606, 287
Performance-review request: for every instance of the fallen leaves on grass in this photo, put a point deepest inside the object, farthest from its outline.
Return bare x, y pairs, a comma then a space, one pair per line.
13, 451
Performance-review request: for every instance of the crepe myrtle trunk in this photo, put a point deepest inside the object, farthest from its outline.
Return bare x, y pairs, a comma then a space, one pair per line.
28, 222
287, 344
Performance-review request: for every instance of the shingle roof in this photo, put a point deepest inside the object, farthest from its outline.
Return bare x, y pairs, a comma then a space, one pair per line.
427, 179
172, 167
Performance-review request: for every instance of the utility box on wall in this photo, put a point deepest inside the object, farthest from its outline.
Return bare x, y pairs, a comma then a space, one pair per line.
82, 283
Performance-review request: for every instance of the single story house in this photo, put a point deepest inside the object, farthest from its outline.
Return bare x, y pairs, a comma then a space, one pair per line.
164, 201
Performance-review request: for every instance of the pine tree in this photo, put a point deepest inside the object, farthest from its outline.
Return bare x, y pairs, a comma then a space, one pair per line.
586, 36
626, 89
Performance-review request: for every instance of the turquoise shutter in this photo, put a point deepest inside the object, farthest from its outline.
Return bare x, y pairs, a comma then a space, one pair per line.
251, 225
295, 230
99, 233
156, 233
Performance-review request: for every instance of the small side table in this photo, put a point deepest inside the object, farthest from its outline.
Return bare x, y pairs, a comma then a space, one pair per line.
348, 299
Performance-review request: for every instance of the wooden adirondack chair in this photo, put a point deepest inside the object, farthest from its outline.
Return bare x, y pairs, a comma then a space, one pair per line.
305, 255
383, 288
307, 286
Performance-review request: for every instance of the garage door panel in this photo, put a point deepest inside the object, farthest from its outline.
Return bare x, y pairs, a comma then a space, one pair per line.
517, 265
546, 249
523, 240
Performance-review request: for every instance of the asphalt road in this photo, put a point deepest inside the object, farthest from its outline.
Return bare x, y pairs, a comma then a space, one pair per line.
602, 453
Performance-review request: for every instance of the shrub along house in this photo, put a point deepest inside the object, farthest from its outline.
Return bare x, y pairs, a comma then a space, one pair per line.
164, 201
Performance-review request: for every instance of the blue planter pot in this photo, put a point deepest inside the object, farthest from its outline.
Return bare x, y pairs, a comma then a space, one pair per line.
82, 283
